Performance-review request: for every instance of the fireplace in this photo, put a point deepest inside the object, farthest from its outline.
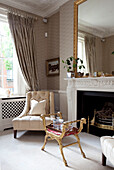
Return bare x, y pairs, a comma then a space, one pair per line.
98, 109
84, 95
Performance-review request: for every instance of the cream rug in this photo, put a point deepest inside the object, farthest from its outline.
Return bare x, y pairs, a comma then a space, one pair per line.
25, 153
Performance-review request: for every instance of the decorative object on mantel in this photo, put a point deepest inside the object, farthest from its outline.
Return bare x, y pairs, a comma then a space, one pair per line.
112, 73
95, 74
113, 52
52, 67
102, 74
79, 74
71, 64
99, 74
87, 74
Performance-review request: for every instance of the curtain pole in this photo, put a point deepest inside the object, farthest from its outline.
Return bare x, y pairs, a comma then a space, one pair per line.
8, 8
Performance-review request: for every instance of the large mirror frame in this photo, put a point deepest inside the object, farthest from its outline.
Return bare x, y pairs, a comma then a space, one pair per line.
76, 3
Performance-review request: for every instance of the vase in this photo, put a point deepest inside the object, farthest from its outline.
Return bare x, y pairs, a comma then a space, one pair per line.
79, 74
68, 74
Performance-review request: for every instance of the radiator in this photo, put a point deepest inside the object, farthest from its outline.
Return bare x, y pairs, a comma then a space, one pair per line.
9, 109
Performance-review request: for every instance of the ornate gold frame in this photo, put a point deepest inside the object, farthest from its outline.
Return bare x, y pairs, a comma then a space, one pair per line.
76, 3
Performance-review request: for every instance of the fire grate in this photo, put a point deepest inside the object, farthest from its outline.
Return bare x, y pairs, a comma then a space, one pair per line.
105, 117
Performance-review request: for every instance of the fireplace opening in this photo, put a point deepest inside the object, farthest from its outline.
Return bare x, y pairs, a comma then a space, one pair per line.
104, 118
98, 109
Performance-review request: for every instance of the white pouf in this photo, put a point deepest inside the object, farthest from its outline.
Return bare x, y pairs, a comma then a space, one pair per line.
107, 145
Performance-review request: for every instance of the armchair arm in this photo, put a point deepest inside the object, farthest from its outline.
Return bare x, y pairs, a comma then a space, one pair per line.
27, 106
24, 112
52, 114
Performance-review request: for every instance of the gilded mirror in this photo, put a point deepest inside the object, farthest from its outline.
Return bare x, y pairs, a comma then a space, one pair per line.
93, 24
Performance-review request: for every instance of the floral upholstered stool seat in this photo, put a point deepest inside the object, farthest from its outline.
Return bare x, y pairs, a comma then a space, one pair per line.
72, 131
59, 133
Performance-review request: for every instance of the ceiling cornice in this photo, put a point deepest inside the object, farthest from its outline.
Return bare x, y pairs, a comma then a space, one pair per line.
43, 13
99, 32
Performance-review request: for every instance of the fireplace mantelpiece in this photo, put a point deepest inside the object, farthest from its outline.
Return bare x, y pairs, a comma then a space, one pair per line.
103, 84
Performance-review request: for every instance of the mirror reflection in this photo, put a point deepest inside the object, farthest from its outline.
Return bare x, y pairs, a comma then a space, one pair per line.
96, 36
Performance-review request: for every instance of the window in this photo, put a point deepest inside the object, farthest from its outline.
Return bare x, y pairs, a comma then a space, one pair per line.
6, 57
81, 53
10, 74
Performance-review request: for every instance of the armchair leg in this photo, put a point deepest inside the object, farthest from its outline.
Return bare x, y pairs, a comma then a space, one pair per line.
78, 140
103, 160
15, 133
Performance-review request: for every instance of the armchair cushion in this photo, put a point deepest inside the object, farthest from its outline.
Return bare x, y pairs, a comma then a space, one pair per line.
30, 123
39, 96
37, 108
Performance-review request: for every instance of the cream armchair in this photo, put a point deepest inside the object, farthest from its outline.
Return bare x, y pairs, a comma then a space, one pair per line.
26, 121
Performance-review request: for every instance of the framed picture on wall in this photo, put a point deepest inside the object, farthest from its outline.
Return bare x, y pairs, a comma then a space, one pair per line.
52, 67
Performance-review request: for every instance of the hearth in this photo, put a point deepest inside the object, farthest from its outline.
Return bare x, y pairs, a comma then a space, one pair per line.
98, 109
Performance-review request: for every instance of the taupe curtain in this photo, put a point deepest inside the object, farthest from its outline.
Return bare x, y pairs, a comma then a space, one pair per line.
22, 29
90, 51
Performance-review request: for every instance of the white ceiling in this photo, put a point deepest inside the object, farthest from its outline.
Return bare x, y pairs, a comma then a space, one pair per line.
42, 8
97, 16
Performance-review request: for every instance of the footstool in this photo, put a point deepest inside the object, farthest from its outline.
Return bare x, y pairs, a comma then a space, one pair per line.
53, 133
107, 145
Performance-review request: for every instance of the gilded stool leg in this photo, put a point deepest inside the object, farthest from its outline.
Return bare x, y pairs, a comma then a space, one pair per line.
45, 141
78, 140
61, 149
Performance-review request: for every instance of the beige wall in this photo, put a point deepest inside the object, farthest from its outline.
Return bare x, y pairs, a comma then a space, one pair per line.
108, 58
66, 38
66, 50
47, 48
53, 47
104, 57
59, 43
99, 54
105, 60
41, 51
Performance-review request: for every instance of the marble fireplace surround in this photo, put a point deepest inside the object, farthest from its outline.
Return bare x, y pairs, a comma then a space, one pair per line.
99, 84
